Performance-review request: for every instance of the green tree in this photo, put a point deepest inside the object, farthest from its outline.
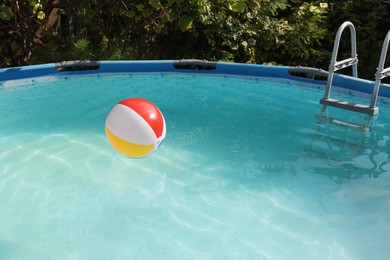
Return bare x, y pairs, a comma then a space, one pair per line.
296, 37
372, 22
22, 25
288, 32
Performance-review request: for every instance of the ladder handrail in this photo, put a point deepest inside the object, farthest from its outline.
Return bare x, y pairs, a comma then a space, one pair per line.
381, 72
352, 61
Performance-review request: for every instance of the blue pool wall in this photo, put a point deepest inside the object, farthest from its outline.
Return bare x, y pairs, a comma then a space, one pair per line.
167, 66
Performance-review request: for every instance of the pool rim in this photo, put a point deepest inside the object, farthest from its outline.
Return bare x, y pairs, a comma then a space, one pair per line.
300, 74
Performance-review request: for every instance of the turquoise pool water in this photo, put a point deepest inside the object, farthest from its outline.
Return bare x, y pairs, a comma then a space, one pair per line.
247, 171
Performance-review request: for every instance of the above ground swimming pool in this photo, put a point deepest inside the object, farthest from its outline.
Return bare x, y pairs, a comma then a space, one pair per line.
251, 166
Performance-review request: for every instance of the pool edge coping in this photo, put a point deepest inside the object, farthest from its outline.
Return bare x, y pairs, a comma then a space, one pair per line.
165, 66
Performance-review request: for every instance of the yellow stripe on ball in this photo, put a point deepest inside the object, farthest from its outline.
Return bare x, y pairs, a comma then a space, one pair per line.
127, 148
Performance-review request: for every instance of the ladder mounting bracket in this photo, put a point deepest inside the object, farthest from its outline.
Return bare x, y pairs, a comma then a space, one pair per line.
345, 63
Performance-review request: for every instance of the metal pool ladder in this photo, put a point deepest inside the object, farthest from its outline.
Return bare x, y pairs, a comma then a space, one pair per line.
338, 65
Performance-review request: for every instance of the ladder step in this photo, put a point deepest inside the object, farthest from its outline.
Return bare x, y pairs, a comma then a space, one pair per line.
365, 127
350, 106
345, 63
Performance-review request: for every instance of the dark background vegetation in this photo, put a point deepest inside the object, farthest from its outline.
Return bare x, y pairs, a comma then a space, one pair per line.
282, 32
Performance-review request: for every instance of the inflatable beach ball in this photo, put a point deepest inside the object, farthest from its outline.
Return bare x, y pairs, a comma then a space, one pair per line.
135, 127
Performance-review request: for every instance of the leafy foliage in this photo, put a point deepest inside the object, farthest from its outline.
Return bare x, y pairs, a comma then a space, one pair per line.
22, 24
372, 22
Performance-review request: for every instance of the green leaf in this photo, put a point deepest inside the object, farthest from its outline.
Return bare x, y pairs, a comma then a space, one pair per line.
130, 14
33, 2
251, 42
155, 3
5, 13
147, 13
185, 22
239, 7
234, 46
36, 8
140, 7
41, 15
167, 16
164, 19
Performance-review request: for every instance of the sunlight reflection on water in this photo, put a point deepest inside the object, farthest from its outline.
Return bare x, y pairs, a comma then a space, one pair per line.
241, 174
